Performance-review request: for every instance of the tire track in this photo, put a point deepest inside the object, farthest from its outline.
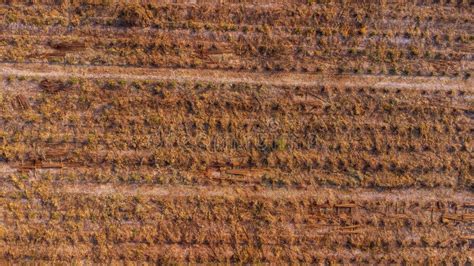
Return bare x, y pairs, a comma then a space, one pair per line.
221, 76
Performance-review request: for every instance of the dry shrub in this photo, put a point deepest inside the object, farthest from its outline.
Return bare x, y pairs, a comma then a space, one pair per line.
134, 16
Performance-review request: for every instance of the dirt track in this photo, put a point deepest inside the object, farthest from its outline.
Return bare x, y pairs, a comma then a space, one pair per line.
221, 76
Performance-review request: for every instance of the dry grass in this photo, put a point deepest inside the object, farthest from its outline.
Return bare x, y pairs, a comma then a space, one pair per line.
124, 168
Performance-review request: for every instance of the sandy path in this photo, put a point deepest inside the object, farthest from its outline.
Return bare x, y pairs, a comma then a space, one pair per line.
357, 194
222, 76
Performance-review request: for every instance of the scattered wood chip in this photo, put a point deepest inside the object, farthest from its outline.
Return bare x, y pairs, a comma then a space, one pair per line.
345, 206
468, 205
55, 153
22, 102
39, 165
68, 45
50, 55
352, 229
446, 218
245, 172
468, 217
52, 86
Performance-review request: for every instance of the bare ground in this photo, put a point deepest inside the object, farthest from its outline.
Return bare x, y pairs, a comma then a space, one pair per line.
221, 76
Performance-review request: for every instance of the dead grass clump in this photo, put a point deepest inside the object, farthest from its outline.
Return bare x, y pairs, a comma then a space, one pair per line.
134, 16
